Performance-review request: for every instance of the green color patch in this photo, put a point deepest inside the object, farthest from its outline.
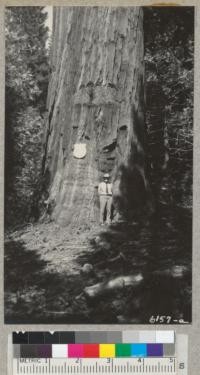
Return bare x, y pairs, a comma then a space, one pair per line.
123, 350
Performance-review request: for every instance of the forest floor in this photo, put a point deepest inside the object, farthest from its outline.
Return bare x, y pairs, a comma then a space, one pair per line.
124, 273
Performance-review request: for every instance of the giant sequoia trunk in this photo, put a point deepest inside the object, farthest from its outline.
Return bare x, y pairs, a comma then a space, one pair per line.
96, 99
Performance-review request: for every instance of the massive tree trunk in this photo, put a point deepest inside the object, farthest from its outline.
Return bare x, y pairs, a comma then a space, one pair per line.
96, 98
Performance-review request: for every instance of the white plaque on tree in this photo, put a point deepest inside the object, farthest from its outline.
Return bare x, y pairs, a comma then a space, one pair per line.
80, 150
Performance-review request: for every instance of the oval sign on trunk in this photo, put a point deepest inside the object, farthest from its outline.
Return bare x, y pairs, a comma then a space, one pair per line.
79, 150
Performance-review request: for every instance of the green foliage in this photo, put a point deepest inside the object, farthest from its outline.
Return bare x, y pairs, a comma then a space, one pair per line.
26, 89
169, 54
27, 134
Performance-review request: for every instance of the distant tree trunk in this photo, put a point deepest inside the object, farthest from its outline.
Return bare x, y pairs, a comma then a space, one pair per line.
96, 98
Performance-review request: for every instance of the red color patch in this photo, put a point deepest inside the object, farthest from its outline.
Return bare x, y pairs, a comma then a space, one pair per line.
91, 350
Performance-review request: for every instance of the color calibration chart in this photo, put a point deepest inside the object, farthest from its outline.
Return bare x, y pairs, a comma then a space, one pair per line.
98, 352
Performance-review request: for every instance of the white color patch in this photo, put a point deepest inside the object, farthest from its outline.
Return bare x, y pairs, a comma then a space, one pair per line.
59, 351
165, 337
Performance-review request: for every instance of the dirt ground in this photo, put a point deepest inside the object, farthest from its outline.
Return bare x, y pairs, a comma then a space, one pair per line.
124, 273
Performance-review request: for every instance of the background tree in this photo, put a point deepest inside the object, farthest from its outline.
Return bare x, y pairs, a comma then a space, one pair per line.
26, 87
169, 62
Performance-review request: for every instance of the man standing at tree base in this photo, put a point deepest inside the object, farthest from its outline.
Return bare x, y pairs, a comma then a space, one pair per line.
105, 196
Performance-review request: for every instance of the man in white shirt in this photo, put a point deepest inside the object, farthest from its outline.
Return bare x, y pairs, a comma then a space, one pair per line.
105, 196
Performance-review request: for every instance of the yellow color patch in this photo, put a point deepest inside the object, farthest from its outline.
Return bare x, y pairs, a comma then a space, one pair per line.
107, 351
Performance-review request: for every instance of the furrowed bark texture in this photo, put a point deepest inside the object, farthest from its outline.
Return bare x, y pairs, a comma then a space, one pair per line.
96, 98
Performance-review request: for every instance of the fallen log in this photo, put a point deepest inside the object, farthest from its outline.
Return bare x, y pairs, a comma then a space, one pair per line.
111, 285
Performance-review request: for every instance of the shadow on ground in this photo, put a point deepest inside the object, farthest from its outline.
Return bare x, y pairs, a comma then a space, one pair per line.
159, 250
33, 294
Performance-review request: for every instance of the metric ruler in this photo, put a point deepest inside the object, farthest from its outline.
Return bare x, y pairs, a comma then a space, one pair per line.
85, 366
174, 365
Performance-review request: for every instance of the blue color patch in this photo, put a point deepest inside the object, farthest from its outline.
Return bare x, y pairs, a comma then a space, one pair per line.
138, 350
